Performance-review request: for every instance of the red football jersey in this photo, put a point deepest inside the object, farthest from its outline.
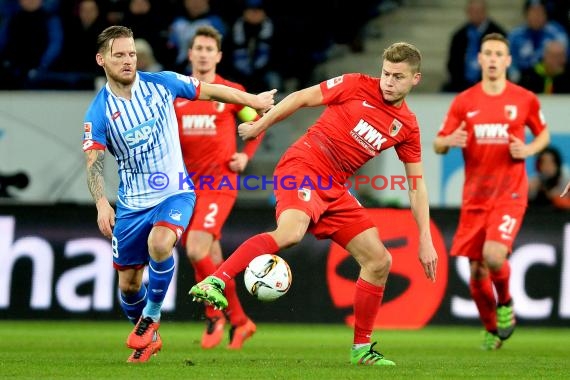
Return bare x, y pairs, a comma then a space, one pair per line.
208, 134
355, 127
491, 174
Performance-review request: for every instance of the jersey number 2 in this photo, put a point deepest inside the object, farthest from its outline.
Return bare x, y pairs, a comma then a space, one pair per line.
210, 219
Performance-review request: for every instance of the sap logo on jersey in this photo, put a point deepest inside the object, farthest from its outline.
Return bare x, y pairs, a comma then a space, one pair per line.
140, 135
368, 136
491, 133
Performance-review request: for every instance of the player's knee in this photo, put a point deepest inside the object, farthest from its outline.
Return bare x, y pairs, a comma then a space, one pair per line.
379, 263
159, 248
494, 261
494, 258
285, 239
129, 288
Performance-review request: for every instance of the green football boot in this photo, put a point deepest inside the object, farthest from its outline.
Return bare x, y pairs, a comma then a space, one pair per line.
367, 356
210, 290
506, 321
491, 342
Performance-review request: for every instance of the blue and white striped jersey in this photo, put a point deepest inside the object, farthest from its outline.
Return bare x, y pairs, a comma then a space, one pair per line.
142, 135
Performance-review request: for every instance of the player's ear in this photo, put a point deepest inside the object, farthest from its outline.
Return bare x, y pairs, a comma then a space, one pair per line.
99, 59
417, 78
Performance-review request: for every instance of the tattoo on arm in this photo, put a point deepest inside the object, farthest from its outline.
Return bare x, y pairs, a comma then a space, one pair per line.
95, 180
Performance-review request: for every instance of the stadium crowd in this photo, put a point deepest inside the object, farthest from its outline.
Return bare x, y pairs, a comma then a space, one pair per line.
266, 43
50, 44
538, 46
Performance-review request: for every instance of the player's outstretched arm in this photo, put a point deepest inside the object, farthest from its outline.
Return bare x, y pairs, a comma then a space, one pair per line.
307, 97
419, 204
260, 102
96, 185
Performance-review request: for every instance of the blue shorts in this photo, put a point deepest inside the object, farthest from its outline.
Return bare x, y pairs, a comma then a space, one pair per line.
130, 234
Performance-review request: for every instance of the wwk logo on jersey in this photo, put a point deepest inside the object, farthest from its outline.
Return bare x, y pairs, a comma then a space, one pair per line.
368, 136
491, 133
140, 135
199, 124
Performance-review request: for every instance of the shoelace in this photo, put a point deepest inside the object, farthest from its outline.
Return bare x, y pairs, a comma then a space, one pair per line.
371, 356
210, 285
138, 353
143, 326
375, 353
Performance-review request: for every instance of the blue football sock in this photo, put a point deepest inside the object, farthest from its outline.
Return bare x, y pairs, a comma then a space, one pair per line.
134, 304
159, 277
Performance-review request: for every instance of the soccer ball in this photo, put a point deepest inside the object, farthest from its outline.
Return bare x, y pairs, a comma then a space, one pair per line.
267, 277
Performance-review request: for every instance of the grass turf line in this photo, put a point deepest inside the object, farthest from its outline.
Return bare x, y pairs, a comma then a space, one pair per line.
96, 350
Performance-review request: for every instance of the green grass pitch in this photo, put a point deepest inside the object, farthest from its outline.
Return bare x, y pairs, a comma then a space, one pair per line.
96, 350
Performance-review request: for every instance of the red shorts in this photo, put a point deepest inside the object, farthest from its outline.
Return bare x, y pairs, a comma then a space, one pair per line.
334, 212
210, 213
500, 224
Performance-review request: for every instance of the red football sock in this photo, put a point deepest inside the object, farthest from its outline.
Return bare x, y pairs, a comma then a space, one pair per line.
482, 293
501, 279
250, 249
234, 310
367, 300
202, 269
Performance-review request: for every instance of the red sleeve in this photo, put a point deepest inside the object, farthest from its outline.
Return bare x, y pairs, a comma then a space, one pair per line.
339, 89
455, 115
410, 150
535, 119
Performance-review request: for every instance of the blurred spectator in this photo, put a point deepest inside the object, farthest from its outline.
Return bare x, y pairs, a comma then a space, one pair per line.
303, 35
195, 13
150, 23
30, 43
77, 66
559, 11
251, 49
145, 57
549, 182
354, 20
114, 11
527, 41
552, 74
462, 64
